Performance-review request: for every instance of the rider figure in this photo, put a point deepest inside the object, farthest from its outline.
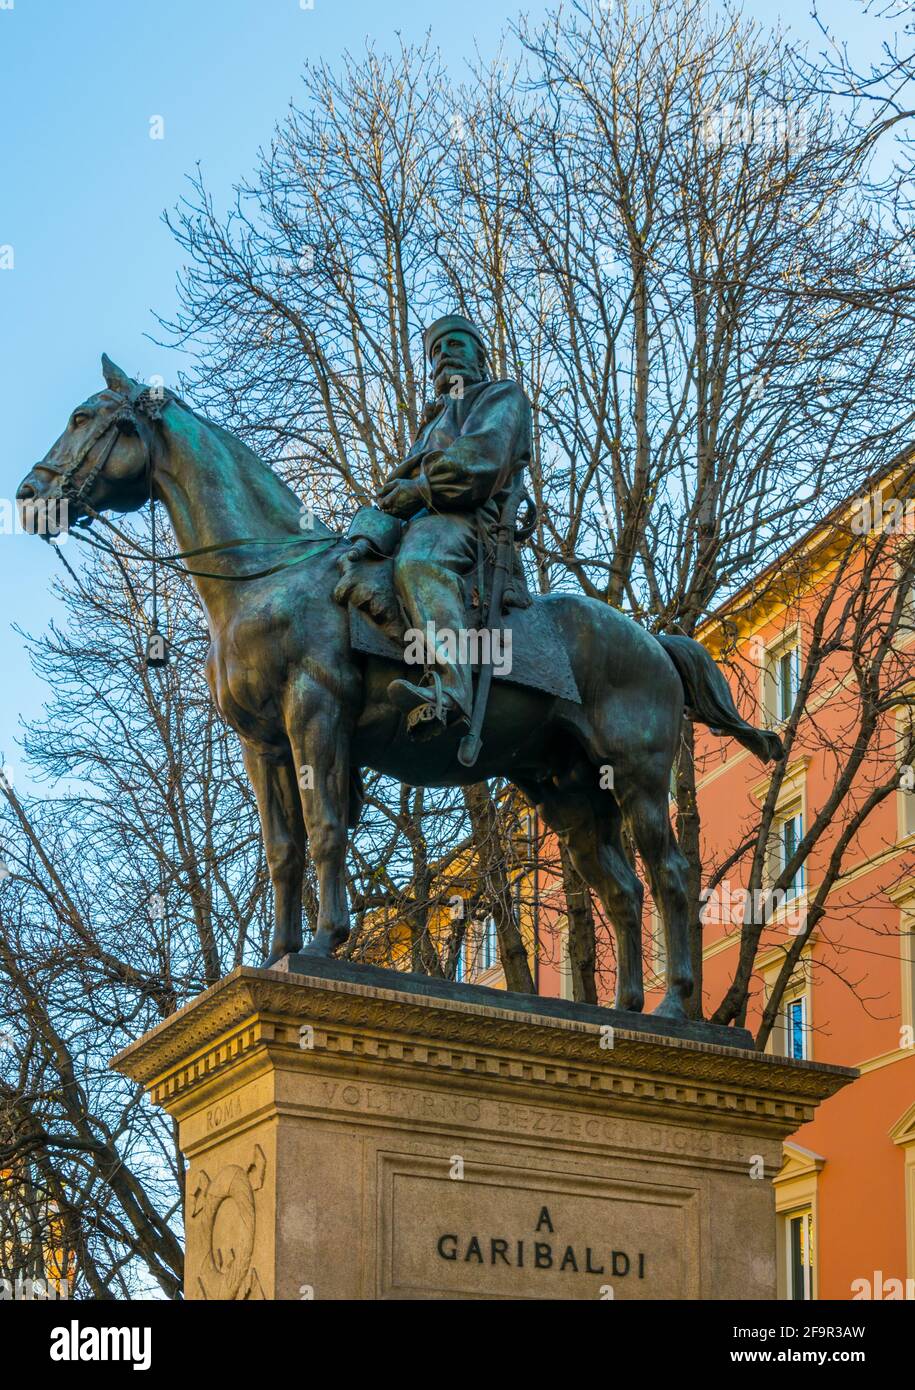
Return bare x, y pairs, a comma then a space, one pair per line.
467, 456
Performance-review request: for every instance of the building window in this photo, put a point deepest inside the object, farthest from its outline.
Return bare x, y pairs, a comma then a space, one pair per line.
658, 947
907, 807
907, 962
904, 735
782, 681
566, 990
791, 834
792, 1032
903, 1134
786, 836
787, 682
459, 965
791, 1036
907, 616
488, 943
800, 1254
796, 1028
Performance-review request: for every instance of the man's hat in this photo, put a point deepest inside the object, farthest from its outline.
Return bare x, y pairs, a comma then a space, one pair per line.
451, 323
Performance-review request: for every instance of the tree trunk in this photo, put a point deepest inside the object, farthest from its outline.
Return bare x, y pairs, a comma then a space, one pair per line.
582, 947
688, 836
484, 819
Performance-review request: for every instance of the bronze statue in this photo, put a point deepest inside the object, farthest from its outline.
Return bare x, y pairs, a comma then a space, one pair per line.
460, 473
586, 722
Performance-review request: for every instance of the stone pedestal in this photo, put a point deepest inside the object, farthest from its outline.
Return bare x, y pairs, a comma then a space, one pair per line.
357, 1134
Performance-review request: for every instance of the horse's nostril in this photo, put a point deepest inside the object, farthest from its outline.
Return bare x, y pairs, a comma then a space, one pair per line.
25, 493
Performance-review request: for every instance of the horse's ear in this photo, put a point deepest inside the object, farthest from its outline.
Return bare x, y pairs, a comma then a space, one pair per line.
115, 379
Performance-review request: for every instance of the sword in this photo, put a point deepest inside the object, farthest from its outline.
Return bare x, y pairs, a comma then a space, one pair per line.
471, 743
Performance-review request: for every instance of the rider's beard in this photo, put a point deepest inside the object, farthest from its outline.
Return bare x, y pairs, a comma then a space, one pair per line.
449, 372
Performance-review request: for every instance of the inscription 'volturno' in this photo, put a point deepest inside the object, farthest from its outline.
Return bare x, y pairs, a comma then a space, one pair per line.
525, 1253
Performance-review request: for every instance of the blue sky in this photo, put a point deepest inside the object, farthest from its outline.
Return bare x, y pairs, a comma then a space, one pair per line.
83, 187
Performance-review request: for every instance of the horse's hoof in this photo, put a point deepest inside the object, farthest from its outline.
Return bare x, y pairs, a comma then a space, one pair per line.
671, 1006
276, 956
630, 1003
317, 948
324, 944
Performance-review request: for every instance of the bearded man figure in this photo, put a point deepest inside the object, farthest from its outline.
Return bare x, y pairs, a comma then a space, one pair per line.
470, 453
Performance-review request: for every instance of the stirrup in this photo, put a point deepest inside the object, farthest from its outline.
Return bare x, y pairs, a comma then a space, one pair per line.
429, 710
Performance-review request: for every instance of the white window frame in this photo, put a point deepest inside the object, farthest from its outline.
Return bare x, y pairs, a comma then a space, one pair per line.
799, 1001
776, 705
907, 964
799, 991
796, 818
796, 1190
489, 944
905, 800
800, 986
565, 965
806, 1215
907, 616
779, 856
658, 952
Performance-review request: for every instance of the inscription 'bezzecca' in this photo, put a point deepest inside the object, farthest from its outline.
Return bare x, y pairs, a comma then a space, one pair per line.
538, 1254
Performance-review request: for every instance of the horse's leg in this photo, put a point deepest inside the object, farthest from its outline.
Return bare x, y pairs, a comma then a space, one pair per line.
645, 811
284, 843
601, 859
637, 744
589, 822
321, 749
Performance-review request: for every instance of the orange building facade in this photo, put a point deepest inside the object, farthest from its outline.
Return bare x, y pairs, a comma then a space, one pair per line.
845, 1196
846, 1193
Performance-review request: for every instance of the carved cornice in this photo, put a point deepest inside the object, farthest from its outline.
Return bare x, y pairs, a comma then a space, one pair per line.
258, 1014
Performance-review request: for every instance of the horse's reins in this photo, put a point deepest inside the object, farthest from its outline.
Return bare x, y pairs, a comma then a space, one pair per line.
173, 561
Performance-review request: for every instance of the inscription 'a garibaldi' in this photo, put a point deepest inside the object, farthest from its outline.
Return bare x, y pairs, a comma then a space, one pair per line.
526, 1253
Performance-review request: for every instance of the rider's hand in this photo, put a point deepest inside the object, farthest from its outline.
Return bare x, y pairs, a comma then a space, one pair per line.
401, 497
360, 549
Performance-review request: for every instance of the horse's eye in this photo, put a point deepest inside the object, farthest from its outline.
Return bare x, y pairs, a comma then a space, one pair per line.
79, 418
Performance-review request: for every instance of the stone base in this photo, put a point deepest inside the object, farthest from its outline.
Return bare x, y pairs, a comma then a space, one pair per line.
349, 1140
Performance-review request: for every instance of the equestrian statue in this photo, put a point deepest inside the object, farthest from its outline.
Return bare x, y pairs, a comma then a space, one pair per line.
332, 653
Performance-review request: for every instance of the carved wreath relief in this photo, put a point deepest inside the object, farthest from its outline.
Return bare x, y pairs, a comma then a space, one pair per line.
228, 1211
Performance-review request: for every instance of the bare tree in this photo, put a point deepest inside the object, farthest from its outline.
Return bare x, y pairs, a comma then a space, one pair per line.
853, 709
673, 239
136, 882
723, 405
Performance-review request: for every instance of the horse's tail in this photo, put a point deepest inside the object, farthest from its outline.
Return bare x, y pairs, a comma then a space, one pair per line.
708, 698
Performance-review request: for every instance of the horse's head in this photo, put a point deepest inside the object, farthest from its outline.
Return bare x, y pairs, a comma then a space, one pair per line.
102, 460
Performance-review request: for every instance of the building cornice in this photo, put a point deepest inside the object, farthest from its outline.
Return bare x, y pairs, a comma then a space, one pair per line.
253, 1019
819, 549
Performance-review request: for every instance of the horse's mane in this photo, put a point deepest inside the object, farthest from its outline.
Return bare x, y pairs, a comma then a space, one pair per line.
239, 447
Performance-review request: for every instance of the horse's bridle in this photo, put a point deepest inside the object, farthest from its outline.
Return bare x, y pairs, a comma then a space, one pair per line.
151, 403
107, 429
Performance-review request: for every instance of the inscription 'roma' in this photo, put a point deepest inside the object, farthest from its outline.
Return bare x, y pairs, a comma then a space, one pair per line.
537, 1254
222, 1112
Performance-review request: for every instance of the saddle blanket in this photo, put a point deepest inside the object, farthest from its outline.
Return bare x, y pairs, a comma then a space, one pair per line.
527, 650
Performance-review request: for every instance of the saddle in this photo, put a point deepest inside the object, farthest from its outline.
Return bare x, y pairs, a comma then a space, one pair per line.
378, 625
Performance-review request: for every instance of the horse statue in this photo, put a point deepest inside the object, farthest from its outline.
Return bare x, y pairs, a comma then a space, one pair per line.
302, 697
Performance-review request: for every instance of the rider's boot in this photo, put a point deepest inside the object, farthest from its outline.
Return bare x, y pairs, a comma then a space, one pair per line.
430, 709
